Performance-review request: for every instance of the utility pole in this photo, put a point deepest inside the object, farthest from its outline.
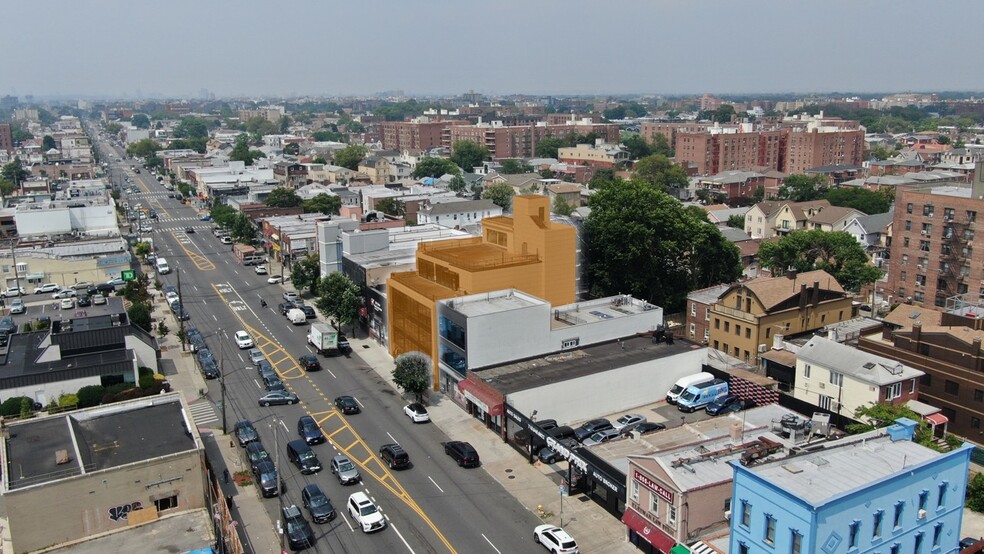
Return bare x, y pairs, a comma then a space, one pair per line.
13, 255
181, 323
222, 388
280, 488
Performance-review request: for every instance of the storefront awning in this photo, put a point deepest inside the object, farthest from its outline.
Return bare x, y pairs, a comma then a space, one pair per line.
937, 419
645, 529
482, 395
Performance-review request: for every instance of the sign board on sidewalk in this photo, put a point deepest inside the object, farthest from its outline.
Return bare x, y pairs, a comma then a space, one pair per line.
128, 275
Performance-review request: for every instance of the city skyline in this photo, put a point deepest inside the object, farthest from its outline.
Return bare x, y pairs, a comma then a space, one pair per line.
550, 47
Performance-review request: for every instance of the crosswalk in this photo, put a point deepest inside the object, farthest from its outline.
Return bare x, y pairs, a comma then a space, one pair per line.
166, 219
203, 412
182, 228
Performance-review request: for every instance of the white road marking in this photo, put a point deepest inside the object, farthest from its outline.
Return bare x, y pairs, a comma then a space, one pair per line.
363, 405
215, 318
408, 544
392, 438
488, 541
332, 374
284, 425
257, 383
438, 486
345, 517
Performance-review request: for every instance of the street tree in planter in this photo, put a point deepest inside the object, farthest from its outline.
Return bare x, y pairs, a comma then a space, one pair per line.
413, 373
339, 298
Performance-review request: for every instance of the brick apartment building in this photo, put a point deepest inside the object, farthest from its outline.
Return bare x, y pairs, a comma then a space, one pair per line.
718, 149
6, 137
417, 134
935, 253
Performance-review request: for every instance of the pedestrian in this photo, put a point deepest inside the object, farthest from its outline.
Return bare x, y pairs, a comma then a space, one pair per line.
225, 475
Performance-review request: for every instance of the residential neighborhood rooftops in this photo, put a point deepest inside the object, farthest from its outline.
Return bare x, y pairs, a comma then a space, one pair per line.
905, 315
773, 290
860, 365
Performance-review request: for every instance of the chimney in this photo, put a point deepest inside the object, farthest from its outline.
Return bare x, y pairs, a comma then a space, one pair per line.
736, 432
816, 293
791, 274
777, 341
804, 297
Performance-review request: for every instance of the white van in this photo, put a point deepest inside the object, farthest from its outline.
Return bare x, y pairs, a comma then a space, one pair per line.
296, 316
162, 267
681, 385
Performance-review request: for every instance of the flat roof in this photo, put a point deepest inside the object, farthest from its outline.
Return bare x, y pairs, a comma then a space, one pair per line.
186, 531
573, 364
492, 302
95, 439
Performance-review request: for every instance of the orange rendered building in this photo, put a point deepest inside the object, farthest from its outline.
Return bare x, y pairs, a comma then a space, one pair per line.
526, 251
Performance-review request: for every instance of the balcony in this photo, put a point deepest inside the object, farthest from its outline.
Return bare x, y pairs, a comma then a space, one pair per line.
735, 313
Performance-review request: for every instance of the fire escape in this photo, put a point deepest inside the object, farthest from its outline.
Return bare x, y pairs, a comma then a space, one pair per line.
955, 253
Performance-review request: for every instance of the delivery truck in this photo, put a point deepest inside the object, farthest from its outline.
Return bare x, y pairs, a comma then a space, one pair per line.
324, 338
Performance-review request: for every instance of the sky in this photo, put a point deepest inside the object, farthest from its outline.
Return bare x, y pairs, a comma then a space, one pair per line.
250, 48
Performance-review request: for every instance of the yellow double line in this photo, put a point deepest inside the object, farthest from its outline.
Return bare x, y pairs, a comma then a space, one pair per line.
201, 262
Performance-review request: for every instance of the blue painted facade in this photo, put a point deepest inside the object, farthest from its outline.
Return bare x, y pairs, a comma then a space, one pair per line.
916, 509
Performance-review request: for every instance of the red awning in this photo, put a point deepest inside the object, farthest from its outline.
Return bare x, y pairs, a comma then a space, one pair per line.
937, 419
482, 395
647, 530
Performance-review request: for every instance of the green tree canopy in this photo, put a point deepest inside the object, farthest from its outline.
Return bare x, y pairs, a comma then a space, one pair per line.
282, 197
500, 194
836, 252
802, 188
328, 204
662, 146
143, 148
320, 160
637, 146
457, 183
14, 172
258, 127
241, 152
192, 127
223, 215
513, 167
645, 244
434, 167
198, 144
339, 298
140, 121
242, 229
350, 156
863, 200
328, 136
48, 142
306, 272
391, 206
292, 149
657, 170
413, 373
561, 206
601, 177
139, 314
467, 154
547, 148
736, 221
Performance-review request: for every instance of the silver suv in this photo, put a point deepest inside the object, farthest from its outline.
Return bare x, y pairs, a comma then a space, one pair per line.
345, 470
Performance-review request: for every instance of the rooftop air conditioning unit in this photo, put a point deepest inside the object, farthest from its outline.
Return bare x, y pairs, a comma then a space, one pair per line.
762, 348
727, 514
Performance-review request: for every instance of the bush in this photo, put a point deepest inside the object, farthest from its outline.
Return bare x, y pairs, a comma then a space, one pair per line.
146, 381
90, 395
112, 393
26, 408
975, 493
68, 401
12, 406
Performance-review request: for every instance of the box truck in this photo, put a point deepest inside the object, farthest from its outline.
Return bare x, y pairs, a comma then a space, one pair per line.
324, 338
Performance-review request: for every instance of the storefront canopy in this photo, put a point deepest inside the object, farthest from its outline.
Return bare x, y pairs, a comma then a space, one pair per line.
645, 529
482, 395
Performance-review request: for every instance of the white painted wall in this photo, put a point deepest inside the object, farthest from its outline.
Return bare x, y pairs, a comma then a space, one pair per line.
43, 222
622, 389
144, 353
46, 392
93, 219
509, 335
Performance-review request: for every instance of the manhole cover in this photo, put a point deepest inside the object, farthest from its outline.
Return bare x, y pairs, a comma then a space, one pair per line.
583, 498
509, 470
512, 476
366, 346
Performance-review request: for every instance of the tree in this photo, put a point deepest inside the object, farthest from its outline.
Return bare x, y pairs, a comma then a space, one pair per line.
143, 148
242, 229
662, 146
863, 200
736, 221
882, 153
90, 395
223, 215
350, 156
48, 142
877, 416
306, 272
435, 167
191, 127
724, 113
391, 206
14, 171
645, 244
258, 127
513, 167
284, 124
561, 206
142, 249
467, 154
547, 148
657, 170
140, 121
162, 329
282, 197
601, 177
241, 152
457, 183
943, 139
413, 373
802, 188
500, 194
547, 174
292, 149
328, 204
320, 160
618, 112
139, 314
339, 298
836, 252
328, 136
112, 128
637, 146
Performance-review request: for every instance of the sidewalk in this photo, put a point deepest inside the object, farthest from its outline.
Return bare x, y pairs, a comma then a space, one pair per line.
256, 530
532, 485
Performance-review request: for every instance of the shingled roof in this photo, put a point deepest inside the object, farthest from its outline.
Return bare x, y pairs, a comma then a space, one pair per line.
772, 291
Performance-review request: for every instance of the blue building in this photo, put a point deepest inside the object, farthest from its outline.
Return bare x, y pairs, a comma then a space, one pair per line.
876, 492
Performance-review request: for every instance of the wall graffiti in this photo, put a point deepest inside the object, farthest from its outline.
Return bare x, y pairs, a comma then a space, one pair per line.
120, 513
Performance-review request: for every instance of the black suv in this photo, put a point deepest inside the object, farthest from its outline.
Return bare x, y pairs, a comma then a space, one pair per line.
317, 504
298, 531
394, 456
463, 453
301, 455
266, 477
309, 362
7, 325
245, 432
285, 307
308, 429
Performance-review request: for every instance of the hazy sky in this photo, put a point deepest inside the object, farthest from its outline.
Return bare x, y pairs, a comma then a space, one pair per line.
329, 47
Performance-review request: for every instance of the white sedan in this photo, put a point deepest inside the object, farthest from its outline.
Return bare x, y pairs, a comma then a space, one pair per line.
260, 270
243, 340
275, 280
416, 412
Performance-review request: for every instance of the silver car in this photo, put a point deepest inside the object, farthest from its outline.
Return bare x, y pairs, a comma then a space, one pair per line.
628, 422
600, 437
345, 470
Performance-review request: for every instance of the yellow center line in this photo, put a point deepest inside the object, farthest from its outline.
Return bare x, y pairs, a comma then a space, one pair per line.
160, 206
201, 262
385, 478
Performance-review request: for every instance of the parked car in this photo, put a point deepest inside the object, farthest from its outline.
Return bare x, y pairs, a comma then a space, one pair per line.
649, 427
394, 456
180, 312
347, 405
309, 362
64, 293
317, 504
308, 429
17, 306
117, 282
226, 240
463, 453
300, 454
278, 398
80, 285
724, 404
297, 529
273, 383
590, 428
98, 299
47, 288
268, 480
416, 412
554, 539
245, 432
309, 312
256, 453
7, 326
343, 468
83, 301
290, 296
275, 279
260, 270
628, 422
285, 307
255, 355
265, 369
243, 340
365, 513
67, 303
210, 369
604, 435
12, 292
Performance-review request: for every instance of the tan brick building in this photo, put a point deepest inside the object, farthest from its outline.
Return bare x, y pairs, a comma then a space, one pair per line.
417, 134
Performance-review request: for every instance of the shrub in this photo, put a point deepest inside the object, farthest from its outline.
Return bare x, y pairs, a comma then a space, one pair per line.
90, 395
26, 408
146, 381
12, 406
68, 401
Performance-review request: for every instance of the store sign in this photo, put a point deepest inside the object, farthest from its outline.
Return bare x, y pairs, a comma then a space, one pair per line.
653, 486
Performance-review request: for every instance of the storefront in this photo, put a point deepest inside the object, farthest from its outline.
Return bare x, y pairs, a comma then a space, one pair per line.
645, 536
375, 314
483, 402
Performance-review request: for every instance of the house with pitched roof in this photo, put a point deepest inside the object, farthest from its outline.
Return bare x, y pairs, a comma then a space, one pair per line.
833, 218
456, 213
874, 232
746, 318
775, 217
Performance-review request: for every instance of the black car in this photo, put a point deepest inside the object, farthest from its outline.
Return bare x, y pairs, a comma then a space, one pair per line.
347, 405
273, 383
285, 307
210, 369
180, 312
309, 362
7, 326
317, 504
463, 453
265, 369
649, 427
725, 404
301, 455
394, 456
309, 312
195, 339
83, 301
256, 453
245, 432
102, 288
308, 429
592, 427
297, 529
267, 479
189, 230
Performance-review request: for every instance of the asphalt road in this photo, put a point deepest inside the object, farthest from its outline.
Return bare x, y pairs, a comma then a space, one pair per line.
434, 506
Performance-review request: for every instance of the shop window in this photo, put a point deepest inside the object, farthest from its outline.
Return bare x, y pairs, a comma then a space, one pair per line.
166, 503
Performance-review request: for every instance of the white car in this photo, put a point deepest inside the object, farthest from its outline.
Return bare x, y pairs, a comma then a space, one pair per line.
65, 293
146, 229
47, 287
260, 270
243, 340
11, 292
365, 513
554, 539
226, 240
416, 412
67, 303
276, 279
628, 422
290, 296
17, 306
98, 299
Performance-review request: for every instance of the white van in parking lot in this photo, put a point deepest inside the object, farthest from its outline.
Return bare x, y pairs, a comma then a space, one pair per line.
681, 385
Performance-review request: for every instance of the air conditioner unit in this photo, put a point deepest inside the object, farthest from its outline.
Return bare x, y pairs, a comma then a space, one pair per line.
823, 385
727, 514
762, 348
923, 232
921, 514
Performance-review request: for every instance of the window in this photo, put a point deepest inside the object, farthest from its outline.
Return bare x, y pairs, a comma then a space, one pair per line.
908, 208
727, 326
951, 387
978, 395
897, 520
738, 330
876, 524
923, 499
742, 548
975, 422
727, 504
806, 370
941, 497
693, 330
917, 544
796, 543
746, 514
166, 503
912, 386
693, 308
671, 515
895, 548
635, 490
717, 323
770, 530
653, 503
937, 534
852, 534
836, 379
893, 391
